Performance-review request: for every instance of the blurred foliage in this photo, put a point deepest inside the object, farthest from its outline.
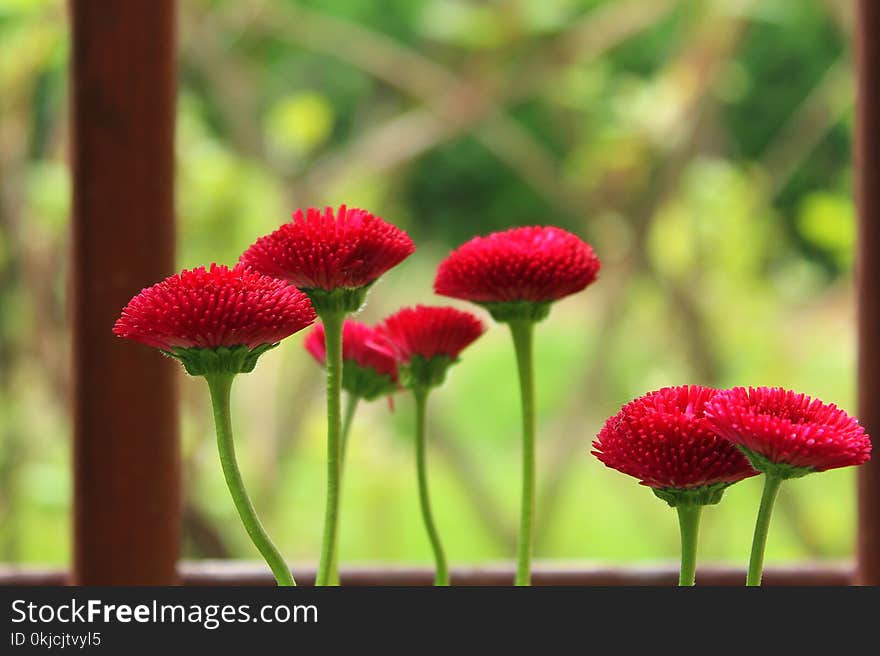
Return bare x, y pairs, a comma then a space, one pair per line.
703, 146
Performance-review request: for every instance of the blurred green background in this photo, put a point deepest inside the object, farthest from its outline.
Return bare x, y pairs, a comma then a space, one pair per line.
702, 146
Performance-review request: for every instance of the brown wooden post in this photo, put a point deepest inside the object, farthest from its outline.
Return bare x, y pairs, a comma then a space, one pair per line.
867, 141
126, 463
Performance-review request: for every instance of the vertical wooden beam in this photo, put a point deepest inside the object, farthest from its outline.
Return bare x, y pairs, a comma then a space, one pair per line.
126, 463
867, 147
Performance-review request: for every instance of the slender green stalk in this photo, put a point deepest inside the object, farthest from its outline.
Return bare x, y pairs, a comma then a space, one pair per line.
523, 341
350, 408
442, 575
220, 386
333, 341
762, 527
689, 524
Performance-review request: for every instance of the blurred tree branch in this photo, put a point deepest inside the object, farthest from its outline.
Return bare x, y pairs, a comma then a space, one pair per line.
456, 103
705, 55
820, 111
498, 526
453, 103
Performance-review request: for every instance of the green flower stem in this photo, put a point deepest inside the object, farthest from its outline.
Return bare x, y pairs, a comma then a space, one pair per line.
762, 527
523, 341
333, 340
442, 575
689, 524
350, 408
220, 386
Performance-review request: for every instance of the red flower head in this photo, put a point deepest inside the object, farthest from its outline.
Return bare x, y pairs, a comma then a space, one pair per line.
322, 251
426, 340
369, 367
536, 265
430, 332
664, 439
217, 308
786, 433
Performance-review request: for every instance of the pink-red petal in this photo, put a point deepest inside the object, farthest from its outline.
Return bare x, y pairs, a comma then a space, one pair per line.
665, 440
536, 264
362, 344
214, 307
429, 332
330, 249
789, 428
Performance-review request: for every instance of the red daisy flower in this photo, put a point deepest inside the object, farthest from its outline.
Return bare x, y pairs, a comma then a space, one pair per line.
534, 264
789, 429
216, 307
430, 332
361, 344
664, 439
322, 250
